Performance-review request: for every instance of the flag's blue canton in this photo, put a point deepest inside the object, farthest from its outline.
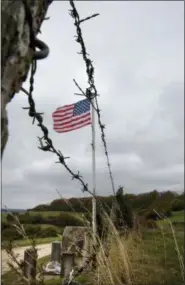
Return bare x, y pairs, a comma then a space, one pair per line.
81, 107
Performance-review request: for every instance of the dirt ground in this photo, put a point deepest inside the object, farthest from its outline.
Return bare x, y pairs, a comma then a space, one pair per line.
43, 250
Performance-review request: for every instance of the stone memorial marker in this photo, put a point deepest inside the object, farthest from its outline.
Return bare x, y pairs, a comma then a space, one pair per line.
56, 251
30, 263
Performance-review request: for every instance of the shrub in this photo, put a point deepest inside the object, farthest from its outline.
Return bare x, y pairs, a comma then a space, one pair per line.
178, 205
10, 234
48, 232
10, 218
124, 214
33, 231
142, 222
4, 226
37, 231
152, 215
29, 219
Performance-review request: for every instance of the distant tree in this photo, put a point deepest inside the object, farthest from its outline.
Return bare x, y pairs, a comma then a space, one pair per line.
178, 205
10, 218
124, 213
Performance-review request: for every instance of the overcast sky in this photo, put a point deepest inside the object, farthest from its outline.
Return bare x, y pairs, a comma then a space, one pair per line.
138, 52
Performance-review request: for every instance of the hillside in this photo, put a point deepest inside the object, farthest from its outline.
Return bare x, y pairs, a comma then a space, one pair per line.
48, 221
142, 204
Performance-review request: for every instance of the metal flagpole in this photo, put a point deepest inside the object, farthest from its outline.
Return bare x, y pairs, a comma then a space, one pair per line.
94, 226
93, 169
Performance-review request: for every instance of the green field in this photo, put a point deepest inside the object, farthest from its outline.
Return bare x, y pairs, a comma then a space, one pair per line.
156, 260
44, 214
159, 261
3, 217
38, 225
45, 226
177, 217
25, 242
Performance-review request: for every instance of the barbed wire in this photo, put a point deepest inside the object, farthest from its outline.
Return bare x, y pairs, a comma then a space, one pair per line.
46, 143
91, 90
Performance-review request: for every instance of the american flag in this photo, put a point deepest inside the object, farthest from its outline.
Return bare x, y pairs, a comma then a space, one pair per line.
72, 117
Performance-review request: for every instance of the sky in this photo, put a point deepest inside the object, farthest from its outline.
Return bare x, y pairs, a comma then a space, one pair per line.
138, 52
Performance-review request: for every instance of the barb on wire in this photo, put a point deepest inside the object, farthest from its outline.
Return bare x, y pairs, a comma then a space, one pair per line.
79, 87
92, 89
89, 95
88, 18
38, 116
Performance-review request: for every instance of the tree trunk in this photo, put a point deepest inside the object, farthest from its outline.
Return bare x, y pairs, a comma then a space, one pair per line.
16, 53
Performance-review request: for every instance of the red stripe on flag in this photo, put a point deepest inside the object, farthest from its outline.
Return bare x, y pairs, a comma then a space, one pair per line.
59, 130
74, 124
62, 112
71, 120
71, 117
60, 118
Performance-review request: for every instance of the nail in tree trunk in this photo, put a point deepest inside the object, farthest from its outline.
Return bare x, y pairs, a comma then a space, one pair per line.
16, 53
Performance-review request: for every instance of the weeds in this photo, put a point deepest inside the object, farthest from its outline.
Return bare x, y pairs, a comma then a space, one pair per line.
142, 257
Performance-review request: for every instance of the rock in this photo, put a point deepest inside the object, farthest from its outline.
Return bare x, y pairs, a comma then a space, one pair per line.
52, 267
65, 282
74, 237
77, 240
76, 248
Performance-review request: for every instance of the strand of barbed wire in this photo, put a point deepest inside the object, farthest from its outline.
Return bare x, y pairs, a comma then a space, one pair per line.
91, 90
45, 141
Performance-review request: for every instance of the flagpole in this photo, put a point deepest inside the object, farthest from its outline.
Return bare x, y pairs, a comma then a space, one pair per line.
93, 169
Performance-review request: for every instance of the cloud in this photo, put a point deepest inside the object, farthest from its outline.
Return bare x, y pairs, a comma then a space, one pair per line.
138, 52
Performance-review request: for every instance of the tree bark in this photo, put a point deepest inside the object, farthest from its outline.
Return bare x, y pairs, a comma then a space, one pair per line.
16, 53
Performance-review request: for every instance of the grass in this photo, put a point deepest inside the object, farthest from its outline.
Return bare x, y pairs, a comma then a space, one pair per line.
45, 226
11, 278
3, 217
150, 258
160, 257
26, 242
58, 229
153, 257
56, 280
44, 214
177, 217
147, 257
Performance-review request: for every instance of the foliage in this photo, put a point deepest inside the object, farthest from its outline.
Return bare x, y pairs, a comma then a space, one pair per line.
33, 231
28, 242
11, 278
140, 203
10, 234
152, 215
124, 213
54, 224
154, 257
178, 205
61, 219
140, 223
